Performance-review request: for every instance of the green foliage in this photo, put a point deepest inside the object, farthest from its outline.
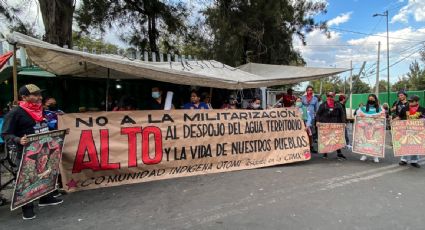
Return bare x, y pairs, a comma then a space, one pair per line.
91, 43
414, 79
260, 30
146, 20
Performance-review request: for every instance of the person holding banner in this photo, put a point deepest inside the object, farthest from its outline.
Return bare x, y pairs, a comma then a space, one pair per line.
195, 102
307, 121
372, 108
411, 112
400, 104
23, 120
331, 112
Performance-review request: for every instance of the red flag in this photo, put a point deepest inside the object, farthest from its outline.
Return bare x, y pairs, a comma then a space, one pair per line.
4, 58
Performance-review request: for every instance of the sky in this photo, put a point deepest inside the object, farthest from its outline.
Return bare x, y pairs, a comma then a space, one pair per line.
355, 34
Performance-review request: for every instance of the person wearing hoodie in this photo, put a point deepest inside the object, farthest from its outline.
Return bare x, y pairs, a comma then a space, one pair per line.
372, 109
331, 112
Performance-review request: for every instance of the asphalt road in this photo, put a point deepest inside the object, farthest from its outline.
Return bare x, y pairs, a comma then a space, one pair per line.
318, 194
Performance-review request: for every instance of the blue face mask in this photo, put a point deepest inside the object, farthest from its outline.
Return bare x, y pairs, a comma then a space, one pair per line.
156, 95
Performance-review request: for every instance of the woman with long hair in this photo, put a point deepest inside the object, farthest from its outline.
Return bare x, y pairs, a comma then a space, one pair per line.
372, 109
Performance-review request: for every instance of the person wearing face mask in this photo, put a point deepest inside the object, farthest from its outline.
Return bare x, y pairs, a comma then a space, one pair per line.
372, 109
195, 102
331, 112
25, 119
312, 104
255, 104
412, 111
156, 102
306, 117
51, 112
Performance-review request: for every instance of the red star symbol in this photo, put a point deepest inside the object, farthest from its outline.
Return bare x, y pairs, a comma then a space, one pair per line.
72, 184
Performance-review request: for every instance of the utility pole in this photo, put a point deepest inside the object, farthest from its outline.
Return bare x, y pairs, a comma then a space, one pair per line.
351, 88
385, 14
377, 71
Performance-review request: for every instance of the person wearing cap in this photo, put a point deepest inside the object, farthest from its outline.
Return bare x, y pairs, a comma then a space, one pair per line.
411, 112
372, 109
399, 104
289, 99
25, 119
331, 112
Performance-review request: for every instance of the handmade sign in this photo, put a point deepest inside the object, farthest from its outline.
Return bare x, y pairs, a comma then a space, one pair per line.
331, 137
39, 167
115, 148
408, 137
369, 136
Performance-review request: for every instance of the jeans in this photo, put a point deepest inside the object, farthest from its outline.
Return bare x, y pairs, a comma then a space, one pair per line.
413, 158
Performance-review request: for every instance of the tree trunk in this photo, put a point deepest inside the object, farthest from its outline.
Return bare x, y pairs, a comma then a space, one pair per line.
152, 33
57, 19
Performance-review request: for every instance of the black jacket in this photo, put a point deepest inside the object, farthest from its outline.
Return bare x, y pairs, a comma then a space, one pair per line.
18, 123
329, 115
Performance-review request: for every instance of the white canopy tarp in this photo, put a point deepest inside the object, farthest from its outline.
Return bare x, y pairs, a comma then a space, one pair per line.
289, 74
62, 61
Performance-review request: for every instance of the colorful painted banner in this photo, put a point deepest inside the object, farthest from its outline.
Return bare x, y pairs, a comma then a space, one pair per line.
331, 137
369, 136
39, 167
408, 137
115, 148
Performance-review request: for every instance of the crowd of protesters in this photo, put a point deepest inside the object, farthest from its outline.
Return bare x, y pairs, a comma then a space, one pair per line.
34, 115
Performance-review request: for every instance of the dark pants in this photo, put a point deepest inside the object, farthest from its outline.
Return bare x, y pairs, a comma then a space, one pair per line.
347, 140
31, 205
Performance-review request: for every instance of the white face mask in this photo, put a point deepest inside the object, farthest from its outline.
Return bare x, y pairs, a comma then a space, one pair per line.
156, 95
255, 106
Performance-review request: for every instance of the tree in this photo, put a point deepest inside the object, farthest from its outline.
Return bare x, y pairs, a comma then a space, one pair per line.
382, 86
416, 76
402, 84
260, 30
91, 43
147, 20
57, 19
359, 86
329, 84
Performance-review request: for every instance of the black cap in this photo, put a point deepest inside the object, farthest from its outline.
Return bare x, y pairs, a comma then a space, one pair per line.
414, 98
29, 89
402, 92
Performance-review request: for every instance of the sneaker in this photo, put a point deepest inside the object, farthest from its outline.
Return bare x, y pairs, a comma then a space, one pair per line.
349, 147
416, 165
363, 158
402, 163
376, 159
341, 156
28, 214
325, 156
56, 194
49, 201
